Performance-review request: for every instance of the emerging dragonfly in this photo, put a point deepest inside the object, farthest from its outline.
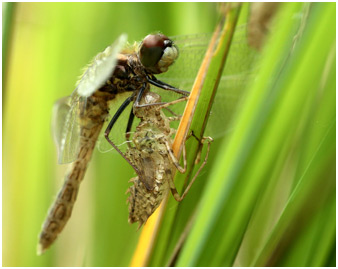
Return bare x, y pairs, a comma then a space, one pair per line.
118, 69
152, 158
80, 118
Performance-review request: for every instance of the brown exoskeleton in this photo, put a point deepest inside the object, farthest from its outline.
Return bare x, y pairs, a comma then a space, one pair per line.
150, 154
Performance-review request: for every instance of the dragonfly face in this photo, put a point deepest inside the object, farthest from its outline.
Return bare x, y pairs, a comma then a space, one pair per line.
157, 53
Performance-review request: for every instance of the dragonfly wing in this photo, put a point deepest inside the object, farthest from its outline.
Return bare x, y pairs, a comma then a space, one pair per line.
241, 67
192, 49
65, 122
65, 127
101, 68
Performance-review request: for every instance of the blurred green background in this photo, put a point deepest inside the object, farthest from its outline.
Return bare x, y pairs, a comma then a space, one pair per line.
45, 49
267, 195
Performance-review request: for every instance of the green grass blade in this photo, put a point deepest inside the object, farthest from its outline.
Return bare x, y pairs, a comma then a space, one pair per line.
268, 118
305, 76
7, 24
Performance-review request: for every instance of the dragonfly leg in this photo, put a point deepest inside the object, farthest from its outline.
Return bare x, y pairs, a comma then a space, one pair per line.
130, 123
110, 126
174, 159
181, 99
207, 138
176, 117
172, 112
160, 84
179, 168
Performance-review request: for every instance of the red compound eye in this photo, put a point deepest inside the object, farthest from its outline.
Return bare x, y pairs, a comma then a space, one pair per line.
152, 50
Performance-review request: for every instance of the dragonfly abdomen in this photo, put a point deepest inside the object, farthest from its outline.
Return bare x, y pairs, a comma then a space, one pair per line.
59, 213
61, 209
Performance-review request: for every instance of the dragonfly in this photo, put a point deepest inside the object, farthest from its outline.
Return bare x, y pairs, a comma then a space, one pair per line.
79, 120
150, 154
118, 69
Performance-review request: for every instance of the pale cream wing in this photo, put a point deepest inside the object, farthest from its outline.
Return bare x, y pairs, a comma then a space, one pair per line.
101, 68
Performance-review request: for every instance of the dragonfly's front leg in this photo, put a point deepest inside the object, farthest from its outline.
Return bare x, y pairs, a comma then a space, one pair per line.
130, 123
160, 84
110, 126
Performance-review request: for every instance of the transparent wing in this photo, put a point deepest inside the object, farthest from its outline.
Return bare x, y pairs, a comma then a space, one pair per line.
239, 70
101, 68
65, 127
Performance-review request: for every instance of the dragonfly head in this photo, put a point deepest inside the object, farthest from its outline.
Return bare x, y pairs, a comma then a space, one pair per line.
157, 53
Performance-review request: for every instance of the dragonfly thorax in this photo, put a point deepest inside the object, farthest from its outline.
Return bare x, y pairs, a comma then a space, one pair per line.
129, 75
